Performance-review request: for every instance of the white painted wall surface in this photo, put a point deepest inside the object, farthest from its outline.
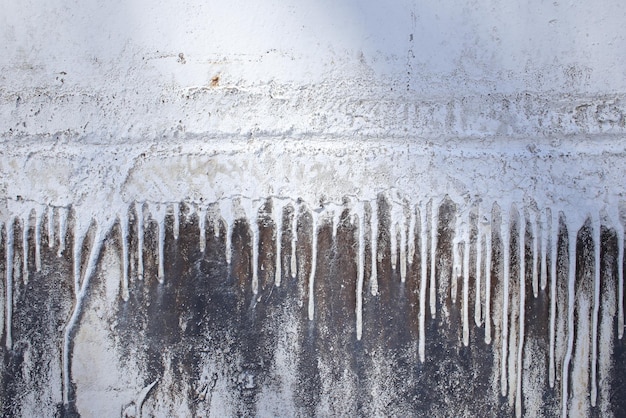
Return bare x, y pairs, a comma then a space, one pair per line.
142, 68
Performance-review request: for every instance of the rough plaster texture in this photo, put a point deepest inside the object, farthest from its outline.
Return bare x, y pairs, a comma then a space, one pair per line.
312, 208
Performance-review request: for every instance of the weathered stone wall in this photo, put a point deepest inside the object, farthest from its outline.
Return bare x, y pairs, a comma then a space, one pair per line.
312, 208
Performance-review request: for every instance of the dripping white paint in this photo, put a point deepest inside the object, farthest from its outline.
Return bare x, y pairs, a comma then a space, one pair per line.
422, 181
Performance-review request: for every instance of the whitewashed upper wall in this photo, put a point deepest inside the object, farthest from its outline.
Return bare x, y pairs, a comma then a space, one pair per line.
404, 68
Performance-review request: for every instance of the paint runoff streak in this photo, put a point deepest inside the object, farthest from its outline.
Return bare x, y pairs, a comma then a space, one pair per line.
466, 264
620, 278
423, 280
79, 237
63, 213
411, 236
313, 265
522, 303
554, 237
571, 240
277, 211
71, 324
226, 210
456, 265
38, 222
202, 228
50, 227
374, 239
361, 273
254, 226
505, 231
403, 248
215, 216
125, 255
479, 252
434, 229
160, 213
336, 219
536, 256
488, 286
251, 211
176, 226
8, 317
596, 308
393, 240
139, 213
544, 250
294, 241
25, 228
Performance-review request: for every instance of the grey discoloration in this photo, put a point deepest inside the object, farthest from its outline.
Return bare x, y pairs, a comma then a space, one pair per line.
201, 343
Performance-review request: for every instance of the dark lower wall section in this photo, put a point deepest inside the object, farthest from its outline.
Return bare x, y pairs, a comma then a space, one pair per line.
372, 318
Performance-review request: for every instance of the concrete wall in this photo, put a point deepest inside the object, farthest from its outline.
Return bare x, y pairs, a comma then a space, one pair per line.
312, 208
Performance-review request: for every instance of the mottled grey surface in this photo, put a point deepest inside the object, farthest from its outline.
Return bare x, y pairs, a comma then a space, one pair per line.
202, 344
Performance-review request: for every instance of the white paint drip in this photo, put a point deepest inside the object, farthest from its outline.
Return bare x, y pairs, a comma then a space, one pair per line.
361, 271
50, 226
434, 230
535, 225
8, 317
488, 285
403, 248
294, 240
159, 211
544, 249
252, 211
3, 296
620, 277
456, 264
123, 219
515, 219
314, 223
81, 227
336, 218
572, 234
596, 308
140, 238
202, 214
466, 264
38, 221
411, 235
505, 232
63, 214
278, 206
226, 211
215, 216
176, 225
374, 245
423, 280
522, 305
80, 296
479, 260
554, 237
393, 241
25, 229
